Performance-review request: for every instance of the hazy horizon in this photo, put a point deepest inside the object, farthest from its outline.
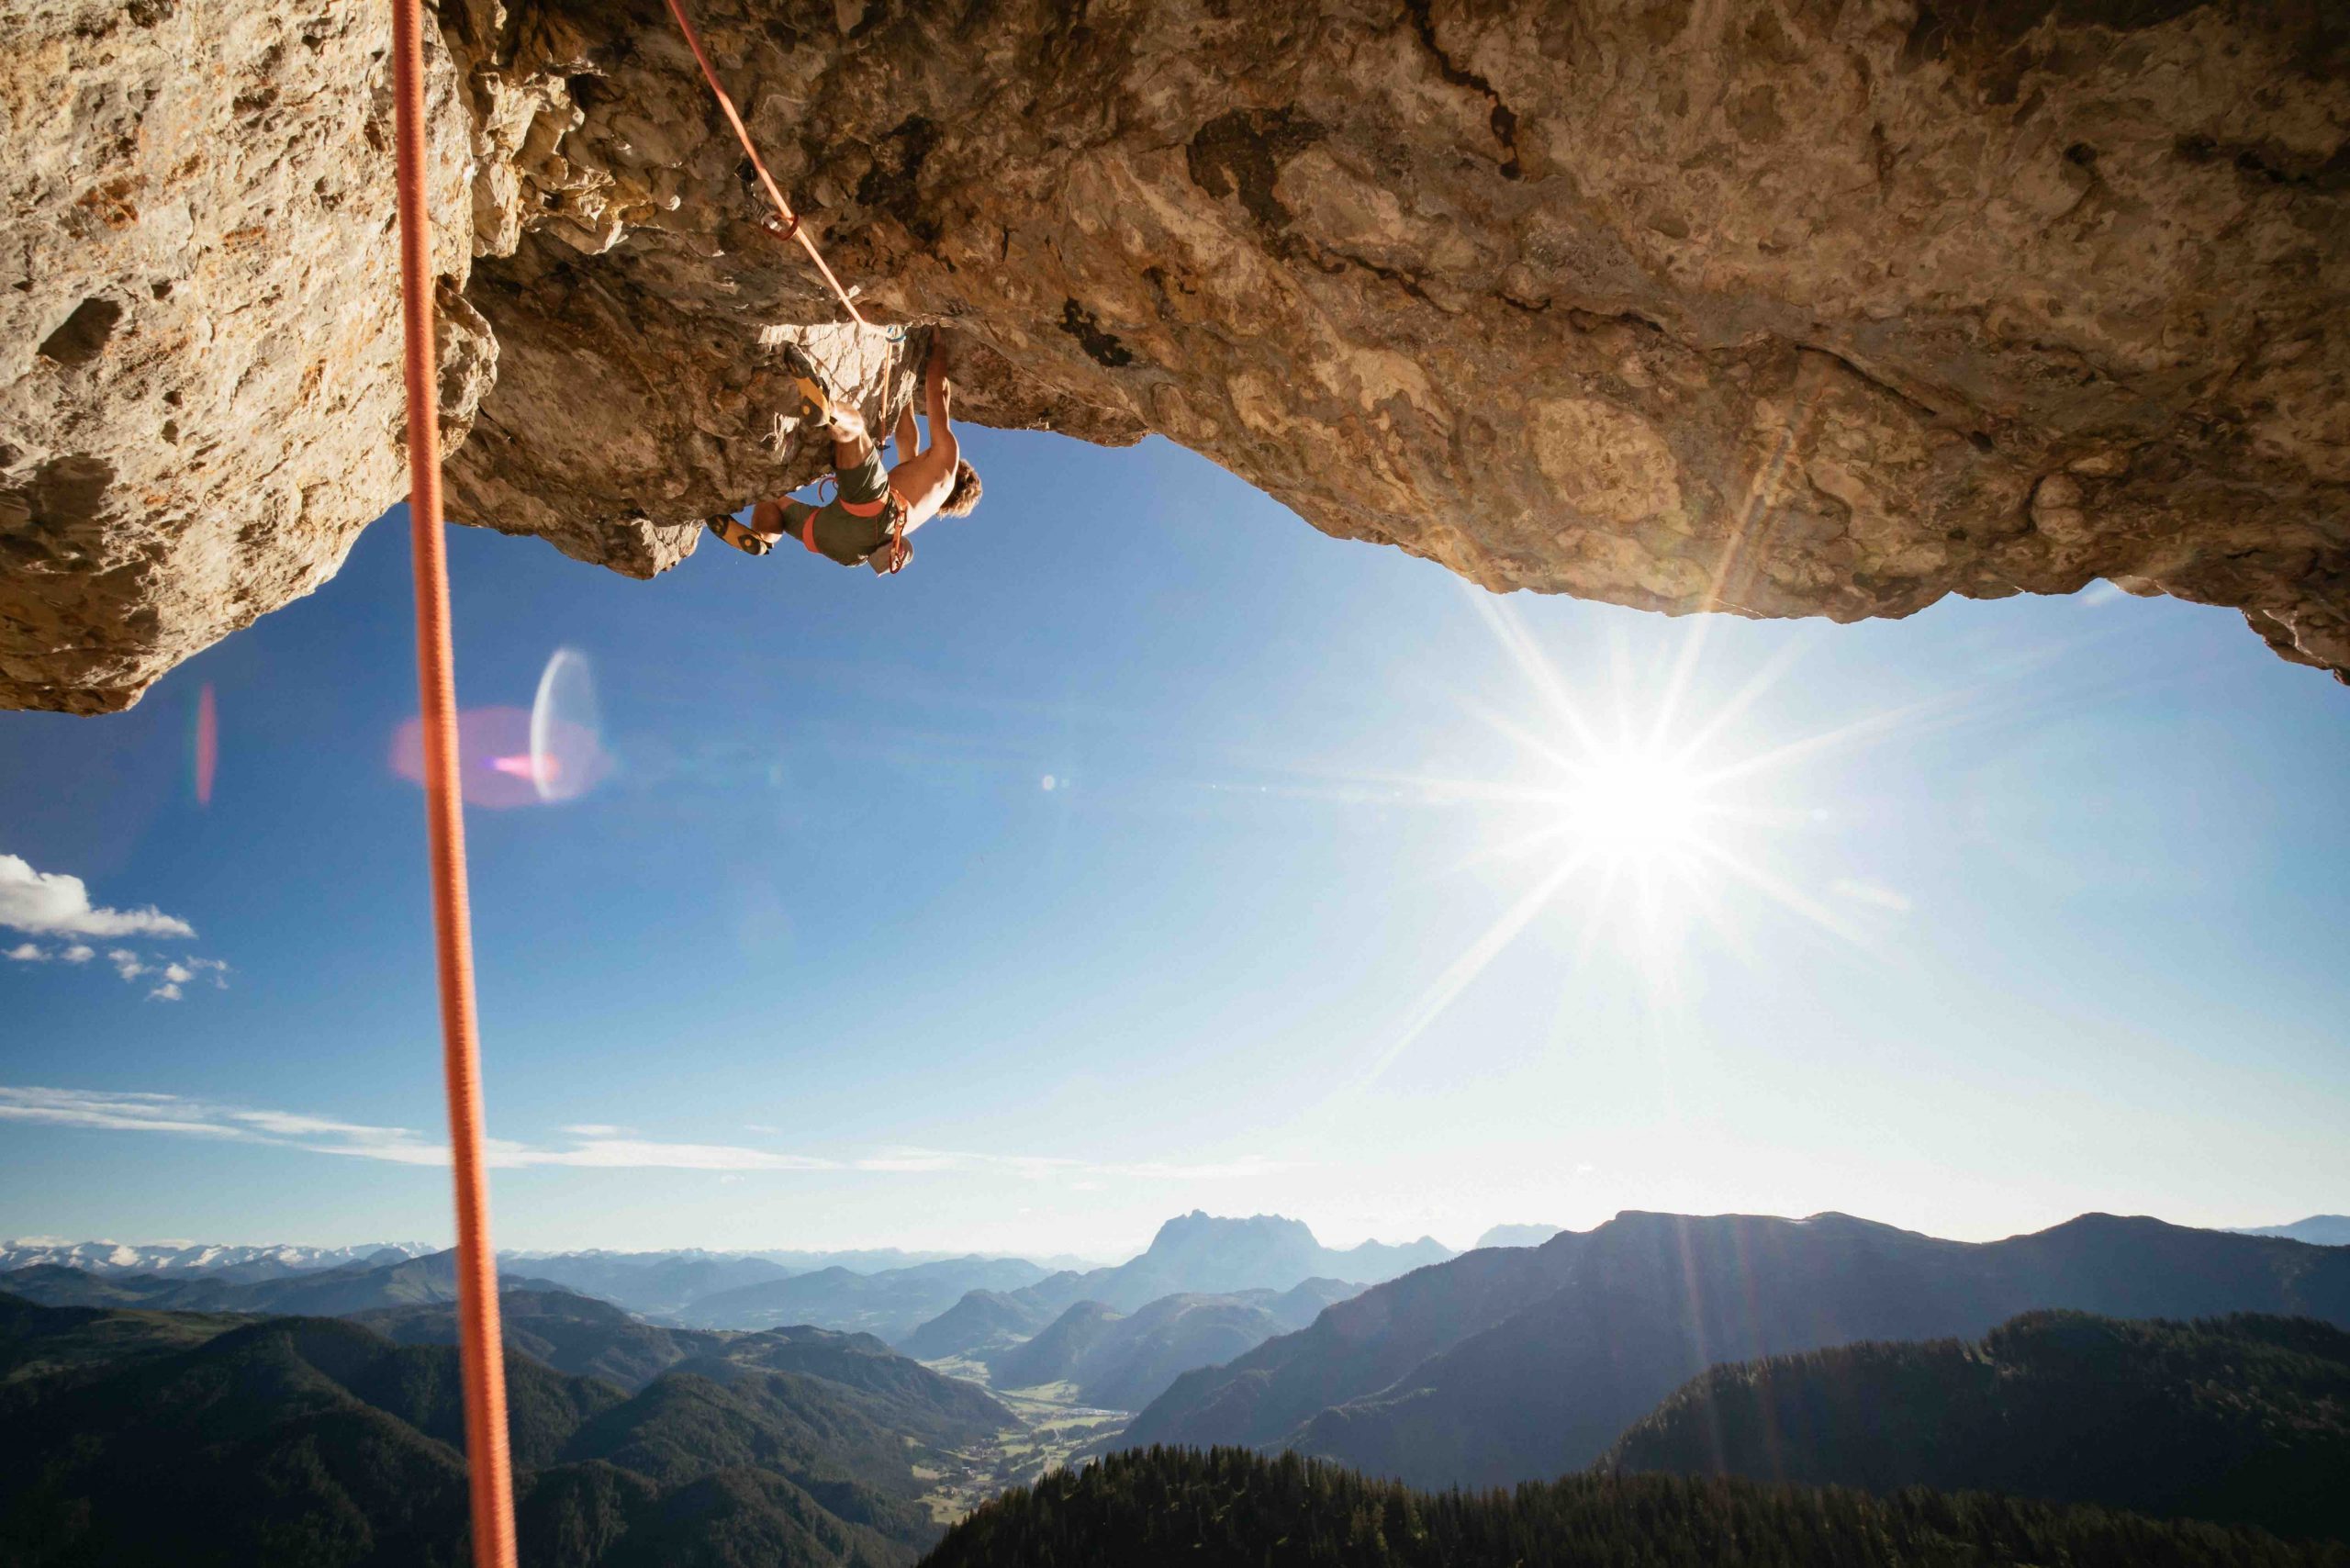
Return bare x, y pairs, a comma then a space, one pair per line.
1037, 1255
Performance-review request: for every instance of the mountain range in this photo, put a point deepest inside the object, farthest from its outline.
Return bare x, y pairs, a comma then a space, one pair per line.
1511, 1364
387, 1280
2241, 1420
892, 1302
237, 1264
1193, 1254
2318, 1230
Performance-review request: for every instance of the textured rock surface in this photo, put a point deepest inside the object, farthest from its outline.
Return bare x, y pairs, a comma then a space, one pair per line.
1779, 307
199, 373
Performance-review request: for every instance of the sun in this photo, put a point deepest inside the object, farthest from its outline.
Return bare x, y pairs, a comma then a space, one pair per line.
1635, 802
1648, 818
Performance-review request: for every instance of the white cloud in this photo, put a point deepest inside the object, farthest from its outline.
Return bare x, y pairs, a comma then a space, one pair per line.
401, 1146
171, 974
52, 903
1859, 892
26, 953
596, 1129
125, 1113
360, 1140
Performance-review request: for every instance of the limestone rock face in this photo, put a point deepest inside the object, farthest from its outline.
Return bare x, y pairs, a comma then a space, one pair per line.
1774, 307
200, 395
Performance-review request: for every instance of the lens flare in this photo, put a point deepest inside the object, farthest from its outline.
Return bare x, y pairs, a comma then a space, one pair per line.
566, 757
207, 744
487, 739
510, 756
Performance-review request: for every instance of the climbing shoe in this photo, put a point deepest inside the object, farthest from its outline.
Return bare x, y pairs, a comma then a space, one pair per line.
740, 537
815, 392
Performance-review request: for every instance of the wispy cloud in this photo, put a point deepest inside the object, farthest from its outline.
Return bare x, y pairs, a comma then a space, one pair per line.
597, 1129
52, 903
362, 1140
591, 1148
28, 953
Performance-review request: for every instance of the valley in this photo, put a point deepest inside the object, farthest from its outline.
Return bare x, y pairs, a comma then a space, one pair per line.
1055, 1428
1741, 1349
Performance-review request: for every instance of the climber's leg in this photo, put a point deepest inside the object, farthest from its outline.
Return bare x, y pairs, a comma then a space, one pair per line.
815, 392
770, 522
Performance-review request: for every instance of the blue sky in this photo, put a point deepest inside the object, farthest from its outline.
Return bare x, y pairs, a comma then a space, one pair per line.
1985, 918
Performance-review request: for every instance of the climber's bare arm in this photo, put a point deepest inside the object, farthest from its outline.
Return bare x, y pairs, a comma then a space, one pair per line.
909, 438
925, 479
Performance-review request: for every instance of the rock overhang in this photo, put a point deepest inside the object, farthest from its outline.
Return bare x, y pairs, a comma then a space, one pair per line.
1767, 308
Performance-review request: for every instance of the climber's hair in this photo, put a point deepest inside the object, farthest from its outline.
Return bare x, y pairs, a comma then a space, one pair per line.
965, 495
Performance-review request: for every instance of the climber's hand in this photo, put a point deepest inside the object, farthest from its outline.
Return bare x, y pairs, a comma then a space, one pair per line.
936, 389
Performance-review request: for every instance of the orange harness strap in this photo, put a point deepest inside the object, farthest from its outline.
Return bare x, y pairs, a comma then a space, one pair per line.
479, 1347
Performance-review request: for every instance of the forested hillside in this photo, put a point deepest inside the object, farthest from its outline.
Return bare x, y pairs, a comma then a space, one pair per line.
593, 1339
2243, 1419
318, 1443
1230, 1508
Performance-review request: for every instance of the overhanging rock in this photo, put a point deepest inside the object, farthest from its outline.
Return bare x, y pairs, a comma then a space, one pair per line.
1777, 308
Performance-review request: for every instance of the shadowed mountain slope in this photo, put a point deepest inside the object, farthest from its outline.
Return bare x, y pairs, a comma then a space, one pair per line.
892, 1304
1511, 1364
294, 1443
1122, 1361
982, 1320
650, 1285
593, 1339
2240, 1420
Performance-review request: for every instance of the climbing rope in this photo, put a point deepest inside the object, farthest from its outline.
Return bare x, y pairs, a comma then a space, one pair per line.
786, 224
478, 1343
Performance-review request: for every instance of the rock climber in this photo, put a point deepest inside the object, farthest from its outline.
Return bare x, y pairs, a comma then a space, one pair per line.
871, 511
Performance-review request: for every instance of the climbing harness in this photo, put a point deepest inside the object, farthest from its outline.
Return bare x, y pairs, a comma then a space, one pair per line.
785, 224
479, 1346
900, 550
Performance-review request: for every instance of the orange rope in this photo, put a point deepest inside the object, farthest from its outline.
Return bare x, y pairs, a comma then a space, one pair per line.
478, 1342
791, 229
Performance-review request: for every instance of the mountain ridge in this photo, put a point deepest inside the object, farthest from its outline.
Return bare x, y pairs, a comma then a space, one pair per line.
1514, 1364
1203, 1254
